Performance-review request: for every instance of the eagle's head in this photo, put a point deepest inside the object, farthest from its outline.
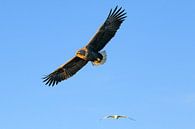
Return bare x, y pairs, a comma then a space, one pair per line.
82, 53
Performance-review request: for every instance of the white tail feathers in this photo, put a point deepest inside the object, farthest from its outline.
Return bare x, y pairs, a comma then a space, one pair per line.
97, 62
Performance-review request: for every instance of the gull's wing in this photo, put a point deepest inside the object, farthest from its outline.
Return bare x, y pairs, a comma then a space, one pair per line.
127, 117
106, 117
64, 71
123, 116
108, 29
110, 117
131, 119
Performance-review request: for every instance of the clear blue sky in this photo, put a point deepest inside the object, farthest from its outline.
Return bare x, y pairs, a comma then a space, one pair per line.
149, 74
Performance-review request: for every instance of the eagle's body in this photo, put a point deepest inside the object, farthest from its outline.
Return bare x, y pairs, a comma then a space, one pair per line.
90, 52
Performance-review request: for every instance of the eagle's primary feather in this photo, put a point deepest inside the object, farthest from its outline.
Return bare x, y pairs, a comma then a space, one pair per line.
91, 52
65, 71
108, 29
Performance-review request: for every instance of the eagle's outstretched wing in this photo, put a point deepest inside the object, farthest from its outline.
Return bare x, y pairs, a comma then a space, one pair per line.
65, 71
108, 29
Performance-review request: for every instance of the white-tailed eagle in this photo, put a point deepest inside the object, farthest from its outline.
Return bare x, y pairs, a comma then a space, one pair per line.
91, 52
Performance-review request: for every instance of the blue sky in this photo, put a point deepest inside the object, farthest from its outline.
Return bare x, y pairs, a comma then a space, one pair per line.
149, 74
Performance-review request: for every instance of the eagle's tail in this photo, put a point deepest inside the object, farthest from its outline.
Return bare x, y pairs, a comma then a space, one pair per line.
97, 63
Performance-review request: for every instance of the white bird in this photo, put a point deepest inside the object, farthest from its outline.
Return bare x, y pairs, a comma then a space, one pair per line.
118, 117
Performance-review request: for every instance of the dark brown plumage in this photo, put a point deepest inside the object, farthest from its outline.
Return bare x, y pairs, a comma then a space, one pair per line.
108, 29
91, 52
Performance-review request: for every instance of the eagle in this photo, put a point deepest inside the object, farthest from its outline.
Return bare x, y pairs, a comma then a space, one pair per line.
92, 51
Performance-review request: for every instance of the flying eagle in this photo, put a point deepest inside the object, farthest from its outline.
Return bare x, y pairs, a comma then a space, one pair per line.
118, 117
90, 52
